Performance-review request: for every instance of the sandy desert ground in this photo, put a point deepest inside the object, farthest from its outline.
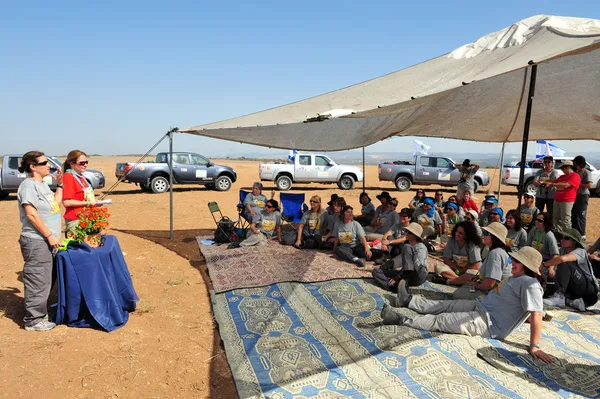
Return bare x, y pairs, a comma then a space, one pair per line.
169, 348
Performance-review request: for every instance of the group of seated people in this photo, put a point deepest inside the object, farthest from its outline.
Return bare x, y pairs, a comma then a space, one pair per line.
476, 242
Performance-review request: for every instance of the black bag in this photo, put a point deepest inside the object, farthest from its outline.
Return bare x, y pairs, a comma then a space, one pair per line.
223, 234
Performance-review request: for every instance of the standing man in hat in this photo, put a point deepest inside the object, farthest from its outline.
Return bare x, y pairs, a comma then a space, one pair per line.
496, 315
583, 195
544, 196
467, 179
564, 198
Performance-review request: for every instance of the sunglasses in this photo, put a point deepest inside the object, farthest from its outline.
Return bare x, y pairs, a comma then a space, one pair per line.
494, 214
43, 163
486, 234
268, 206
539, 220
439, 195
403, 215
528, 196
83, 163
314, 202
394, 205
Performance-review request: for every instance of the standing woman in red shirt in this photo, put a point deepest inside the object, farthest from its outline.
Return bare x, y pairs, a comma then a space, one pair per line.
77, 191
564, 198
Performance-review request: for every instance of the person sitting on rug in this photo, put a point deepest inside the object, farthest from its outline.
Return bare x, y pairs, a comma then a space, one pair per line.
473, 217
367, 212
438, 202
594, 258
496, 315
393, 239
454, 200
331, 202
264, 225
310, 227
411, 265
541, 238
467, 202
462, 256
450, 218
495, 267
331, 219
573, 274
384, 198
429, 219
496, 215
255, 201
418, 199
528, 212
484, 215
516, 238
387, 218
349, 239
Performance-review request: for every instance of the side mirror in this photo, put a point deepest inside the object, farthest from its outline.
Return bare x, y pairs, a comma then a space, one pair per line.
209, 164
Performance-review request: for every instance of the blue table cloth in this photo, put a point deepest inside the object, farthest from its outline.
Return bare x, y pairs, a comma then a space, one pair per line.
94, 286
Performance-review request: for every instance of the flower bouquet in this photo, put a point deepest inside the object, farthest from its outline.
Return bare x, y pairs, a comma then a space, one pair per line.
92, 221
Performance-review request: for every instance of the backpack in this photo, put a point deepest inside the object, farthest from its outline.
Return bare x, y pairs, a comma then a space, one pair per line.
224, 232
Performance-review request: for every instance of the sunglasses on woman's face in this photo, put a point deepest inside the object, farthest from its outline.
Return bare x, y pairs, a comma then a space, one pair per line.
394, 205
268, 206
439, 195
82, 163
43, 163
539, 220
486, 234
314, 202
494, 214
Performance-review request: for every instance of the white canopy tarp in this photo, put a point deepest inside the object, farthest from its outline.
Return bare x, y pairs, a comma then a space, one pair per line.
490, 107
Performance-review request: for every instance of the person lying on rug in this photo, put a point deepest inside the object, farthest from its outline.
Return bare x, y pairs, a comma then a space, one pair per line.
410, 265
429, 219
309, 229
332, 217
264, 225
392, 241
496, 315
462, 256
494, 268
573, 274
349, 239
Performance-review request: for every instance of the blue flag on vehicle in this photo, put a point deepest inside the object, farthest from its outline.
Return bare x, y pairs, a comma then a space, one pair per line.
291, 155
545, 148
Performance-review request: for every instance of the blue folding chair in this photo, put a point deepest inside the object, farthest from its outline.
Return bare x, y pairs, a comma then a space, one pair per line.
243, 221
293, 207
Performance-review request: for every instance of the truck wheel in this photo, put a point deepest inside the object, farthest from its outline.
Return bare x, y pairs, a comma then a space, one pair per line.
403, 183
145, 188
284, 183
530, 188
3, 195
346, 183
223, 183
159, 184
475, 186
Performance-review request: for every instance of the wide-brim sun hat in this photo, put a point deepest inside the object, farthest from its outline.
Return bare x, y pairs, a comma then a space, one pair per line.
384, 194
497, 230
568, 162
528, 257
491, 200
334, 198
416, 229
573, 235
473, 213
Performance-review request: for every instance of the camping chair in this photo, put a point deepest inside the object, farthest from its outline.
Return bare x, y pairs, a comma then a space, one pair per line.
243, 221
293, 208
225, 226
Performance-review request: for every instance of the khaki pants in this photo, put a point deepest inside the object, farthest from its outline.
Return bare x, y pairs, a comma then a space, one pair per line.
374, 236
254, 240
561, 215
455, 317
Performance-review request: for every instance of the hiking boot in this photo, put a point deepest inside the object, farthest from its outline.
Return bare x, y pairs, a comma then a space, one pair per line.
402, 297
389, 316
577, 304
439, 280
43, 325
388, 265
360, 262
557, 300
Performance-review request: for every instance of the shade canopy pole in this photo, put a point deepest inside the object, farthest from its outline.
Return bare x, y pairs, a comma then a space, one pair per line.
364, 170
171, 235
530, 96
500, 173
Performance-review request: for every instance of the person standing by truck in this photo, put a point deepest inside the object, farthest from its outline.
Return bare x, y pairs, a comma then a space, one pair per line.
564, 199
544, 196
467, 179
39, 212
78, 193
579, 213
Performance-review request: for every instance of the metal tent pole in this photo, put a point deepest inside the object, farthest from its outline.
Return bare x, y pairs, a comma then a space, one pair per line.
500, 173
530, 96
171, 235
364, 170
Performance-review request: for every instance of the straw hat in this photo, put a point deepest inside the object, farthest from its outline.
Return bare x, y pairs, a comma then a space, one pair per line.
416, 229
573, 235
497, 230
528, 257
568, 162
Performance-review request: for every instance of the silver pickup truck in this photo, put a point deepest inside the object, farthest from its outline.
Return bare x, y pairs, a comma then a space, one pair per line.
309, 168
11, 178
426, 170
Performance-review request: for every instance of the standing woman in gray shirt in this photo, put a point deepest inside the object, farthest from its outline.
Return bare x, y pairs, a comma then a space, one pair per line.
544, 196
39, 212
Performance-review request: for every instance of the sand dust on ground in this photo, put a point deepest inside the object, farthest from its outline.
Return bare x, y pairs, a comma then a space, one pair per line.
169, 347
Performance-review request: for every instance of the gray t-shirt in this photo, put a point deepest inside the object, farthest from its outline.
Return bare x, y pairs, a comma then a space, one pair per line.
312, 222
419, 216
544, 243
387, 220
586, 177
467, 179
398, 231
509, 304
267, 223
257, 202
350, 234
39, 195
496, 265
543, 177
484, 217
516, 239
582, 262
329, 222
528, 216
368, 210
465, 256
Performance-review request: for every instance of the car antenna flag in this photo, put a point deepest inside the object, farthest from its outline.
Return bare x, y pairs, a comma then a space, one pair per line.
291, 155
545, 148
420, 148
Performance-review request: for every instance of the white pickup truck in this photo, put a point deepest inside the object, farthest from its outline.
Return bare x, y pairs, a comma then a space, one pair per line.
308, 168
510, 174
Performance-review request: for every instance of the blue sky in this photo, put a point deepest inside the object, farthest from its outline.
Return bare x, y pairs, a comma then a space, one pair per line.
111, 77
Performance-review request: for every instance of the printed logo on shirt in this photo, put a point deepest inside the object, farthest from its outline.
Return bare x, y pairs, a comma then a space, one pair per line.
88, 194
537, 246
461, 260
509, 242
313, 223
55, 208
498, 285
268, 225
259, 203
345, 237
526, 218
382, 220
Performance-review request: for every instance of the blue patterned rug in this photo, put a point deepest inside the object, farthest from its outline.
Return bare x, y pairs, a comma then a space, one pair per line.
326, 340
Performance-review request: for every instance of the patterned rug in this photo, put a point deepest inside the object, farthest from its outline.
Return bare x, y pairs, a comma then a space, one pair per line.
326, 340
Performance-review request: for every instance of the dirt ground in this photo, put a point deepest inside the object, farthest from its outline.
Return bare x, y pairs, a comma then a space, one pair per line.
170, 347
